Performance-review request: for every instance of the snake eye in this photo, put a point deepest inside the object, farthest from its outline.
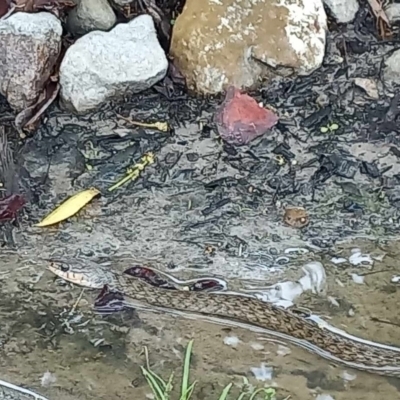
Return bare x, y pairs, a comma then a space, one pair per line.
64, 268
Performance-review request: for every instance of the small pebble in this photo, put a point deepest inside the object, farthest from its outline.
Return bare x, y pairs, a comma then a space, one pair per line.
232, 341
324, 397
263, 373
283, 350
347, 376
257, 346
48, 379
333, 301
357, 258
395, 279
338, 260
358, 279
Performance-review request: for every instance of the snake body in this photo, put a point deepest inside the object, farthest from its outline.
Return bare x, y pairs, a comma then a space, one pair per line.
243, 311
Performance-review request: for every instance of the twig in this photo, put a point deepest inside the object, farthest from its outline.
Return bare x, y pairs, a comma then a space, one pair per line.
378, 11
77, 302
22, 390
384, 321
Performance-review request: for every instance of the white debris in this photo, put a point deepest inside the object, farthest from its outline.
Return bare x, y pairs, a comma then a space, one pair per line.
296, 250
257, 346
231, 341
358, 279
315, 278
263, 373
48, 379
283, 350
379, 257
369, 86
324, 397
347, 376
333, 301
283, 294
357, 258
338, 260
395, 279
339, 282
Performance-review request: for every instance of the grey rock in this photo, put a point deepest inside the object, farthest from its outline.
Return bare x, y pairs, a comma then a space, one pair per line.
91, 15
391, 72
29, 47
343, 10
103, 66
393, 12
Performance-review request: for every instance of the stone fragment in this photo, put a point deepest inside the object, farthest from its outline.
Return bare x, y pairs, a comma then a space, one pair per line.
240, 119
30, 44
391, 72
343, 10
104, 66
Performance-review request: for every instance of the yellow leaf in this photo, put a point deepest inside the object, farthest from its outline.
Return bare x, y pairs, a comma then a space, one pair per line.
69, 207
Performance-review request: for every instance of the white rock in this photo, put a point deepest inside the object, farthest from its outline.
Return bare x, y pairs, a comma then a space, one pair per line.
343, 10
231, 341
91, 15
393, 12
102, 66
391, 72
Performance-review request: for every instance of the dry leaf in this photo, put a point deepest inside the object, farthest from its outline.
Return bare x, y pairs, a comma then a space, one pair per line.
69, 207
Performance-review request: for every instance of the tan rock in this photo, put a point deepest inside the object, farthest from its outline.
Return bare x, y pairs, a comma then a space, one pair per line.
217, 43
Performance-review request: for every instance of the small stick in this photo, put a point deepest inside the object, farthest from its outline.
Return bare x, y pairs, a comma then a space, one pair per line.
384, 321
161, 126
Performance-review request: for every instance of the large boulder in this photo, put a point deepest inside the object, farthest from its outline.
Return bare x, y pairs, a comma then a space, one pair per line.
103, 66
29, 47
216, 44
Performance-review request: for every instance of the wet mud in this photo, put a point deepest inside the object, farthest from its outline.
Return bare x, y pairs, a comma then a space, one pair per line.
205, 208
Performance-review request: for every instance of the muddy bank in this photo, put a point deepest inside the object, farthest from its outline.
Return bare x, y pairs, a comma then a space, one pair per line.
49, 326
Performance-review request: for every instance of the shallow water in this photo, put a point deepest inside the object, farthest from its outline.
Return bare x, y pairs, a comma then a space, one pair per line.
49, 326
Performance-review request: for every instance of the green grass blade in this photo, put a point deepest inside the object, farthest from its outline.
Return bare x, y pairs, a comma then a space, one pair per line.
186, 370
154, 386
169, 386
160, 381
225, 392
241, 397
270, 393
188, 394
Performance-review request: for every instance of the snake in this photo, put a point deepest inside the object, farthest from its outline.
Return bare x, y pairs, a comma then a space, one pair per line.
237, 310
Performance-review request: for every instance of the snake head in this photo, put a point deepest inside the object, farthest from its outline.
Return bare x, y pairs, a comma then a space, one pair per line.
81, 273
